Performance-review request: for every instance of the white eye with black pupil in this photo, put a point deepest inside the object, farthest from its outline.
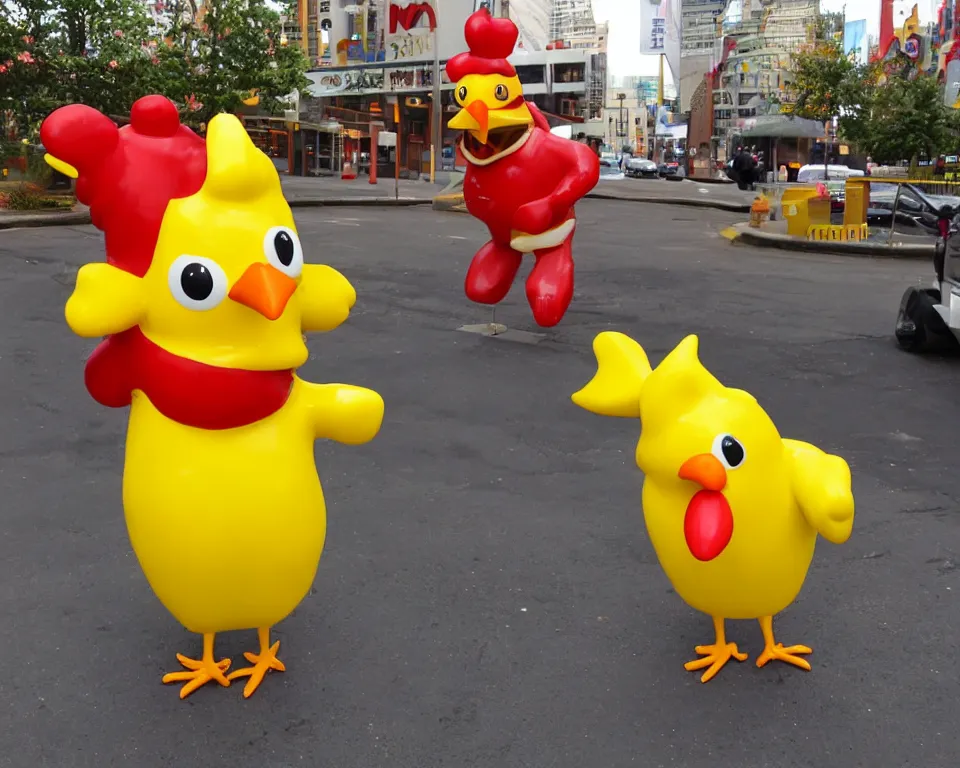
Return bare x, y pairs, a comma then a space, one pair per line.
729, 451
282, 248
501, 93
197, 283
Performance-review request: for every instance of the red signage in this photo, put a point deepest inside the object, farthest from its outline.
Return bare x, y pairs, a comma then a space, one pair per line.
409, 16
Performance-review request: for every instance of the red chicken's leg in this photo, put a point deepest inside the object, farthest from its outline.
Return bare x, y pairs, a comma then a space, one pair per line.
776, 651
200, 672
262, 662
491, 273
550, 285
716, 655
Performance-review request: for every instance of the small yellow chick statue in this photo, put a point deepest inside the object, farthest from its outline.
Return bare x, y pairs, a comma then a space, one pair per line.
203, 301
732, 509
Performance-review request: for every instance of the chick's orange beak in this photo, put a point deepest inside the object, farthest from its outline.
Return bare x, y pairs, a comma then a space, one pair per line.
264, 289
708, 521
705, 470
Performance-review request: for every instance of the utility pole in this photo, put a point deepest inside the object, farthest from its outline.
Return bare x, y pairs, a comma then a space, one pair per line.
435, 148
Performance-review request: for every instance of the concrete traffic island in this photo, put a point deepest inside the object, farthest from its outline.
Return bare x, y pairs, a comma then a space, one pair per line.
773, 234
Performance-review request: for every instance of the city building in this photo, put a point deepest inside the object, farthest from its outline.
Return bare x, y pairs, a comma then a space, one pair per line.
751, 69
373, 68
572, 24
532, 18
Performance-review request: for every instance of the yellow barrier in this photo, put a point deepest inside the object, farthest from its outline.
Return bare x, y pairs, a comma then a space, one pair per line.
837, 232
803, 208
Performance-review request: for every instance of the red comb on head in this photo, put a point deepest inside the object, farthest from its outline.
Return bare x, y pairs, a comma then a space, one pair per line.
490, 42
128, 176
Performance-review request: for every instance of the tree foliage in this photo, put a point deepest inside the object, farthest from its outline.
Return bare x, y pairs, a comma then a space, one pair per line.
889, 116
819, 78
109, 53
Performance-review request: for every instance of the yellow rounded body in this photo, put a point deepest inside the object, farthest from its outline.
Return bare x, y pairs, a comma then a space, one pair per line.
228, 525
761, 570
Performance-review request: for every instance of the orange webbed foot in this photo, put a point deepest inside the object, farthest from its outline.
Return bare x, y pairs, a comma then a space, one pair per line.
200, 672
777, 652
263, 662
715, 655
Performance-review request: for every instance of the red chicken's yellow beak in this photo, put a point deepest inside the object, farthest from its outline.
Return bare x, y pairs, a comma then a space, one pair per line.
264, 289
479, 125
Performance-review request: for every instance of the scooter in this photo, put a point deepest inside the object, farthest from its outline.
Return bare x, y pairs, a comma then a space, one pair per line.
929, 318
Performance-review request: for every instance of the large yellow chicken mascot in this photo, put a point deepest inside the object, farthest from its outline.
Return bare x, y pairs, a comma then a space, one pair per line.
203, 301
732, 509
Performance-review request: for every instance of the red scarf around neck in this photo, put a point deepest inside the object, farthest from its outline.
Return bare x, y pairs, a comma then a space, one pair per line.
185, 391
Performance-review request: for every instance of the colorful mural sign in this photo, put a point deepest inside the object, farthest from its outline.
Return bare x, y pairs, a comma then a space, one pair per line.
411, 27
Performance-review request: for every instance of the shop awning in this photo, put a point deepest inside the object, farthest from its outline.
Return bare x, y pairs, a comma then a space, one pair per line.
780, 127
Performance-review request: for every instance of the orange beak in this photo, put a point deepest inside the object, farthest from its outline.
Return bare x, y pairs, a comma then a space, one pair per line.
481, 113
706, 471
264, 289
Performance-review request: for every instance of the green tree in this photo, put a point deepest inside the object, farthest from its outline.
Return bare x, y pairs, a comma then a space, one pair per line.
54, 53
214, 59
819, 79
907, 119
109, 53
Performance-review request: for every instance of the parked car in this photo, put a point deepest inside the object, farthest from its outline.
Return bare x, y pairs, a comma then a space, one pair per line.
609, 169
670, 169
812, 173
639, 167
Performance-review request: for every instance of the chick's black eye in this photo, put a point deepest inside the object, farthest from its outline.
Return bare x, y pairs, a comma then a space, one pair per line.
284, 247
462, 92
729, 450
196, 281
501, 92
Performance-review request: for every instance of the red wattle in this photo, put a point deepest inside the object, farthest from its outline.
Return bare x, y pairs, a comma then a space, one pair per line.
708, 524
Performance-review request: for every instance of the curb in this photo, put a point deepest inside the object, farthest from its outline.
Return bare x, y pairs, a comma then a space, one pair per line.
75, 218
454, 203
743, 233
690, 202
373, 202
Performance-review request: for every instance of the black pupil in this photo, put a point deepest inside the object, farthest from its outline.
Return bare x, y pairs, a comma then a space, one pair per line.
463, 93
196, 281
732, 451
501, 92
283, 244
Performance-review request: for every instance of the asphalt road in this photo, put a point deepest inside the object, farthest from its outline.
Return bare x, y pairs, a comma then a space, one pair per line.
488, 595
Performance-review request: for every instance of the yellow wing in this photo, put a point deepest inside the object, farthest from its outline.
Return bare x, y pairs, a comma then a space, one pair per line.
622, 367
326, 298
822, 488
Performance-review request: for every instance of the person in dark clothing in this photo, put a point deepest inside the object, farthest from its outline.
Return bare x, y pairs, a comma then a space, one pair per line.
940, 167
744, 167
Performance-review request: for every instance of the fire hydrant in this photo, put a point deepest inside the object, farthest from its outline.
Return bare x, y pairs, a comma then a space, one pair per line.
759, 211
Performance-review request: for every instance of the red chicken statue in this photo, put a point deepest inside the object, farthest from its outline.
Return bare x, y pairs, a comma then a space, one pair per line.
522, 181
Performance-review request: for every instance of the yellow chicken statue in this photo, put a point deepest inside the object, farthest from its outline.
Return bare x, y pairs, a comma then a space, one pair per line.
732, 509
203, 302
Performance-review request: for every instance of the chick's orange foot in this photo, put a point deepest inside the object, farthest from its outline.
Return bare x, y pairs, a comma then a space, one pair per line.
263, 662
777, 652
200, 672
715, 656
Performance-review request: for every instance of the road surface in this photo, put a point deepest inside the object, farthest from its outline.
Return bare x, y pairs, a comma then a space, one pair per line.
488, 595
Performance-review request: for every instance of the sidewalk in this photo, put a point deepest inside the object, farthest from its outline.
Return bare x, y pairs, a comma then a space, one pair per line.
333, 191
724, 197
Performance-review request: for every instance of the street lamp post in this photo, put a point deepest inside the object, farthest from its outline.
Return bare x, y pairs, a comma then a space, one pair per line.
437, 106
